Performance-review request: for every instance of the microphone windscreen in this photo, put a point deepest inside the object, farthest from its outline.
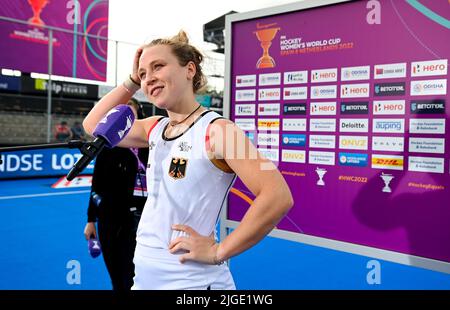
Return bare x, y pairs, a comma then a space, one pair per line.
115, 125
94, 247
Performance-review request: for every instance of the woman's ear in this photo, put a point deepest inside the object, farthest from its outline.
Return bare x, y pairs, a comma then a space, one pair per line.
191, 70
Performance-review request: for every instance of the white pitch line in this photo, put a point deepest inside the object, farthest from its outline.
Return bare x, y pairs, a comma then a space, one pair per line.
43, 195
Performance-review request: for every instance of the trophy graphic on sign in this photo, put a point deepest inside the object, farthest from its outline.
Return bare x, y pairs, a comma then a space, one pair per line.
37, 6
320, 172
265, 37
387, 178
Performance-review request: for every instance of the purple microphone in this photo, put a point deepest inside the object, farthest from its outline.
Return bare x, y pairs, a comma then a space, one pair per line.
109, 132
94, 247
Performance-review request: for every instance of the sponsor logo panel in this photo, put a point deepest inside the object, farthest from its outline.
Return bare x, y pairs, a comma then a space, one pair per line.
269, 109
323, 92
394, 162
354, 125
244, 109
267, 94
427, 145
355, 73
245, 80
294, 124
354, 108
294, 140
293, 156
295, 93
427, 125
353, 142
429, 68
324, 75
269, 79
295, 77
389, 107
268, 124
322, 141
323, 108
429, 87
353, 159
388, 125
388, 144
389, 71
294, 109
426, 164
355, 90
271, 154
245, 123
322, 124
389, 89
245, 95
268, 139
436, 106
321, 158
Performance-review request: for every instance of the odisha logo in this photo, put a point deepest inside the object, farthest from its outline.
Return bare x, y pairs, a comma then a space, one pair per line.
347, 74
417, 88
316, 92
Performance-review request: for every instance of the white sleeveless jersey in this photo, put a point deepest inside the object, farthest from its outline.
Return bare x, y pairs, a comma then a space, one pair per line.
184, 186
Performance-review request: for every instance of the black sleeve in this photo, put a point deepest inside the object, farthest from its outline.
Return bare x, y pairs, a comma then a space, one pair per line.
92, 212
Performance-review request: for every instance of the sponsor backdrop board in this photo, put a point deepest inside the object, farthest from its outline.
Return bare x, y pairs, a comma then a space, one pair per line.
74, 55
351, 103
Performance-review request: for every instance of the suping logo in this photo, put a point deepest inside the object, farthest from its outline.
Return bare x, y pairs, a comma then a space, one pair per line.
388, 125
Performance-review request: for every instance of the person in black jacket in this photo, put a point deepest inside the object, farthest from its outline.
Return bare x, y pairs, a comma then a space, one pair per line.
118, 195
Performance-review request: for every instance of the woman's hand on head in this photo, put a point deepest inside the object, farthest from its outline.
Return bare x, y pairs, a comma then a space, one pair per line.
199, 248
137, 55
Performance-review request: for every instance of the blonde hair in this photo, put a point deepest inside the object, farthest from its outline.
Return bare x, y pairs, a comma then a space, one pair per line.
185, 53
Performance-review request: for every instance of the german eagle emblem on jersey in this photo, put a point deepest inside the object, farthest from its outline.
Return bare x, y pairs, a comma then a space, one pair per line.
177, 169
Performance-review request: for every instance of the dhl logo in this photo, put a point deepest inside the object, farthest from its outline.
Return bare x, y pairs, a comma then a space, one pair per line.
387, 162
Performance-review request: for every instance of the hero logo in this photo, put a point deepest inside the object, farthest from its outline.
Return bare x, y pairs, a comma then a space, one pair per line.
269, 94
324, 75
354, 90
389, 125
323, 108
428, 68
389, 107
